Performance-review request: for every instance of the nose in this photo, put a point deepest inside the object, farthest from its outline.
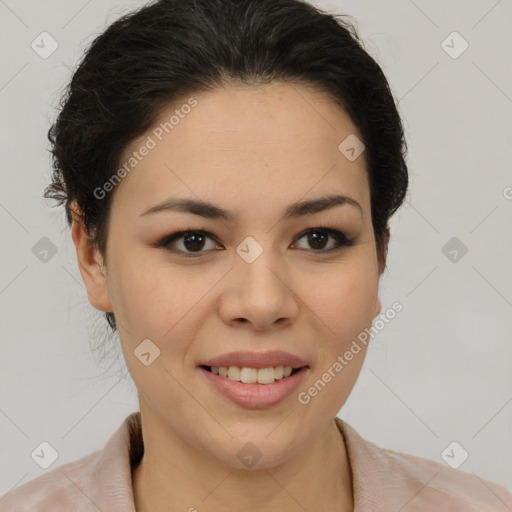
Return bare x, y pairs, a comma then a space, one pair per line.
260, 293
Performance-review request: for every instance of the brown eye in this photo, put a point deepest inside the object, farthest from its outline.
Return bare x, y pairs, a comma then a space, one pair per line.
194, 241
318, 238
188, 243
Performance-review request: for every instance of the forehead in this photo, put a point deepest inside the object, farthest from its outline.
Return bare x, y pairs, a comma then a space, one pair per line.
269, 144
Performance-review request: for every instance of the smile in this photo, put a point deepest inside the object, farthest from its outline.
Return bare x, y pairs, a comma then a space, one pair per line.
252, 375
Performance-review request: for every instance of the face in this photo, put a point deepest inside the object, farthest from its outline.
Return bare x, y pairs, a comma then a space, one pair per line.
256, 280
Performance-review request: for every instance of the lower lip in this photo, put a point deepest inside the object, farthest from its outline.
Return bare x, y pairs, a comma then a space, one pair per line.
256, 396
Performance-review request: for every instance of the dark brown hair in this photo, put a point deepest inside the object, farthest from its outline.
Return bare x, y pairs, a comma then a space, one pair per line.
172, 48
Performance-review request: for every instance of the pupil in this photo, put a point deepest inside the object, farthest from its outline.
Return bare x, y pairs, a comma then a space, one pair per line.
195, 238
314, 238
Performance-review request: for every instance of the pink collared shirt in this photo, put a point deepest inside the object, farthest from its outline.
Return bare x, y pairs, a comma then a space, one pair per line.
383, 480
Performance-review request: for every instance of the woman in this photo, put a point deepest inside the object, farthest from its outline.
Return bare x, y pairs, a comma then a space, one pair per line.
229, 170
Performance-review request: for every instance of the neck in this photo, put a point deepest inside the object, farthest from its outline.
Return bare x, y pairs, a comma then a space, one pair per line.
173, 475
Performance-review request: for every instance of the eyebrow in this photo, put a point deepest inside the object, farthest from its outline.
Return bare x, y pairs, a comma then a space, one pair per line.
211, 211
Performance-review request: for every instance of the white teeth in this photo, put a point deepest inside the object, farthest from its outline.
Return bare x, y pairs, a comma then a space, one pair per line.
234, 373
248, 375
266, 375
252, 375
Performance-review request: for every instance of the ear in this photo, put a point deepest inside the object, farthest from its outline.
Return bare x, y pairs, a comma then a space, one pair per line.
90, 264
382, 257
378, 307
382, 265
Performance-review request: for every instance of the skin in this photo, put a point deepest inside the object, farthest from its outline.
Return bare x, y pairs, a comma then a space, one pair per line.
240, 148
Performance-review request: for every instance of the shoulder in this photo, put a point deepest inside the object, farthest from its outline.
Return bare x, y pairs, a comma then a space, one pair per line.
433, 484
98, 481
53, 491
413, 483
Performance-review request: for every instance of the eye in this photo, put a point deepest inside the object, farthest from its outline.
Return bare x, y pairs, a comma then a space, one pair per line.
318, 237
191, 242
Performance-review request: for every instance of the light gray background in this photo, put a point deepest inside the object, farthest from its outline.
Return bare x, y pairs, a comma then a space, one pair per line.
439, 372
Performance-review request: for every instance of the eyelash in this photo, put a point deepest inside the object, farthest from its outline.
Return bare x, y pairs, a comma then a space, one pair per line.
340, 237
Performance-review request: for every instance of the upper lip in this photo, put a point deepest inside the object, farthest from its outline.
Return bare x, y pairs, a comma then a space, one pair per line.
256, 359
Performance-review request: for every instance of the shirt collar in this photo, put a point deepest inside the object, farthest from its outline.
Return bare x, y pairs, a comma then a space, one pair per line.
125, 448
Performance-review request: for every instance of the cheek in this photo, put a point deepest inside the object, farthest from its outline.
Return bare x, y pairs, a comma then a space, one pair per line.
142, 299
158, 302
343, 300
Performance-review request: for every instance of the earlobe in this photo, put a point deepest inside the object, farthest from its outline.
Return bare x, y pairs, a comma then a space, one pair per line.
384, 252
91, 265
378, 308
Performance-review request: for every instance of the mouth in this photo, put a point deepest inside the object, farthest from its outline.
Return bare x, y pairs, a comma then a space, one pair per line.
248, 375
254, 388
